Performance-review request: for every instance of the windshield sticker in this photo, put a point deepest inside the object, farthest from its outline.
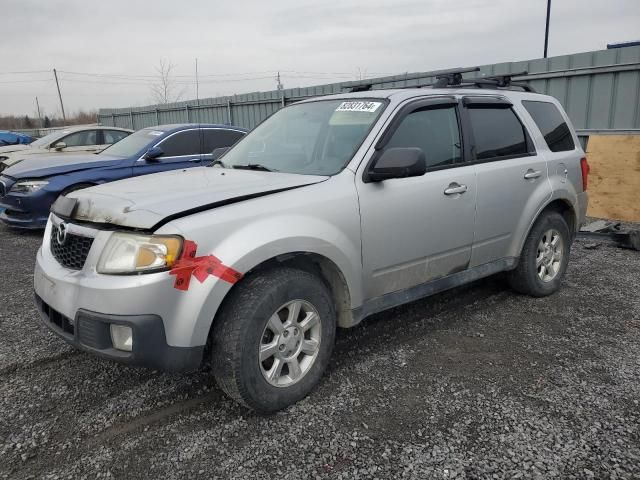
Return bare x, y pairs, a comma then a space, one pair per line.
368, 107
155, 133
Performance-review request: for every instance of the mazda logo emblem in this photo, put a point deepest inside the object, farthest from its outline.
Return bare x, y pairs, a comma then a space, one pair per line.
61, 235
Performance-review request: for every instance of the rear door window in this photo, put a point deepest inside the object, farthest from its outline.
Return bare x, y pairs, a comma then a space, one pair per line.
181, 143
435, 131
218, 138
551, 124
81, 139
497, 132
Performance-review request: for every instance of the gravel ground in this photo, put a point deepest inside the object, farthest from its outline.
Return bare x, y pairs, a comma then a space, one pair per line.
477, 382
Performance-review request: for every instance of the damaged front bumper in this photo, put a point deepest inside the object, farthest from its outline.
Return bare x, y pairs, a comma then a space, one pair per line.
80, 305
90, 331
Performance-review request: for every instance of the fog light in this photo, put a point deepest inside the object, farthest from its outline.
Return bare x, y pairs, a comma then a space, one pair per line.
122, 337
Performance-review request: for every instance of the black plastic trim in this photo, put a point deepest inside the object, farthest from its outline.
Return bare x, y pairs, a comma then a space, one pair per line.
150, 347
401, 297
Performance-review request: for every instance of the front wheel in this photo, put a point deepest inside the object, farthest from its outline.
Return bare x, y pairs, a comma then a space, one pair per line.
273, 338
544, 257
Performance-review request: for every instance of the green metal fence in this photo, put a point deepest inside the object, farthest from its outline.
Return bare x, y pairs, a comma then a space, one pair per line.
600, 91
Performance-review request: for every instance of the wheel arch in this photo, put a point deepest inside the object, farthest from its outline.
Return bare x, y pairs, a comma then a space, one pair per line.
563, 206
316, 264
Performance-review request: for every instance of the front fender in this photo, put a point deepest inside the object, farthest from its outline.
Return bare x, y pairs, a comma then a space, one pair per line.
247, 234
261, 241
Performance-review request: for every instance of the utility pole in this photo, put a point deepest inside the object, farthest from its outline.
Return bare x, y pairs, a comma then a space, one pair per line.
281, 90
55, 74
546, 31
39, 116
197, 85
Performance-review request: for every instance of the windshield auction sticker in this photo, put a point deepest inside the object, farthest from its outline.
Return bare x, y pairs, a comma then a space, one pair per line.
359, 106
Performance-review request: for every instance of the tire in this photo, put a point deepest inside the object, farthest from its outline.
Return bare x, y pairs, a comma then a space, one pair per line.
246, 326
542, 264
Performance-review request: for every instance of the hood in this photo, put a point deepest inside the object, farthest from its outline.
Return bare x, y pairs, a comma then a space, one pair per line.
143, 202
49, 165
13, 148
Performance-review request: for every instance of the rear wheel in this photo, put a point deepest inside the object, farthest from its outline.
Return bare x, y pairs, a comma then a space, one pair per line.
273, 338
544, 257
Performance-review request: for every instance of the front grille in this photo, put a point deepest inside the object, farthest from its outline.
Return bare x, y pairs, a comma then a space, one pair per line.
61, 321
70, 250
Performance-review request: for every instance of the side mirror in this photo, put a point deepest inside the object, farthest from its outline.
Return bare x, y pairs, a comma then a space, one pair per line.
153, 153
60, 146
396, 163
218, 152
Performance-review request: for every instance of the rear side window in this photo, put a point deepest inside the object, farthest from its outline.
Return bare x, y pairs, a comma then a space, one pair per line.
497, 133
213, 138
553, 127
81, 139
181, 143
435, 131
113, 136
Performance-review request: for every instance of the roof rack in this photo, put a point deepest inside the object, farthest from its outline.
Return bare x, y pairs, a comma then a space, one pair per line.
448, 78
501, 81
360, 88
453, 78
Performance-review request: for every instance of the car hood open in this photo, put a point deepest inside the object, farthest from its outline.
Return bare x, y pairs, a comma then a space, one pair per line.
149, 201
49, 165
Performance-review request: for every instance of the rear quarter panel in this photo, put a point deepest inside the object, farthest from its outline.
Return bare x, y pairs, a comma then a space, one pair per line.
564, 176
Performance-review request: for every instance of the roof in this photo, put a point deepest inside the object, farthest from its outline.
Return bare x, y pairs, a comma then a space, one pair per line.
400, 94
181, 126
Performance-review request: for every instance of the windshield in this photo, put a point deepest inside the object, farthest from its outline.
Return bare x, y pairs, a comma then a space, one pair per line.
314, 138
47, 139
134, 143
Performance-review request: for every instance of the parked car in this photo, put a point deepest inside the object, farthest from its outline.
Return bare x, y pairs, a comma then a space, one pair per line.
14, 138
331, 210
69, 140
28, 189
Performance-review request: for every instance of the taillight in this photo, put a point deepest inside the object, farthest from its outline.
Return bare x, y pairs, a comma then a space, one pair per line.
584, 166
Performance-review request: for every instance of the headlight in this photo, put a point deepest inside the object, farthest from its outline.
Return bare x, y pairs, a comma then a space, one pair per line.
28, 186
133, 253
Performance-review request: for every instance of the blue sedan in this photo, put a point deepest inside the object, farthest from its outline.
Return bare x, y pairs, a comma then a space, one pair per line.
28, 188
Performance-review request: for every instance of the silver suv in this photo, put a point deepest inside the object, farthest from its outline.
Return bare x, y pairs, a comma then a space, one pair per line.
329, 211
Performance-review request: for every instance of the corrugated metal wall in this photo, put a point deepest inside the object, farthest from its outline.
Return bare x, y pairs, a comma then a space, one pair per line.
600, 91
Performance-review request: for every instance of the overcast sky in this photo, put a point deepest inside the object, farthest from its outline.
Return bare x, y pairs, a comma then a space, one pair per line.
113, 46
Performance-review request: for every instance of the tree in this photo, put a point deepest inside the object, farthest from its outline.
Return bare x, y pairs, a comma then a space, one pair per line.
47, 122
27, 122
165, 89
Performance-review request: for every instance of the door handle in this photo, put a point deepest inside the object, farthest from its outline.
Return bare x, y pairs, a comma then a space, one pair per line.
195, 160
455, 188
531, 174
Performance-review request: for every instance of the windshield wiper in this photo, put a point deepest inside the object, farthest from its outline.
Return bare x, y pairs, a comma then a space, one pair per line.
254, 166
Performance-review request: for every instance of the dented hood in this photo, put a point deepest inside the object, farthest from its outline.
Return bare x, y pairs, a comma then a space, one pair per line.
144, 202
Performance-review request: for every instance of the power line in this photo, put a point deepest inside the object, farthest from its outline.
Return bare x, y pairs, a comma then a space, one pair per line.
24, 73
